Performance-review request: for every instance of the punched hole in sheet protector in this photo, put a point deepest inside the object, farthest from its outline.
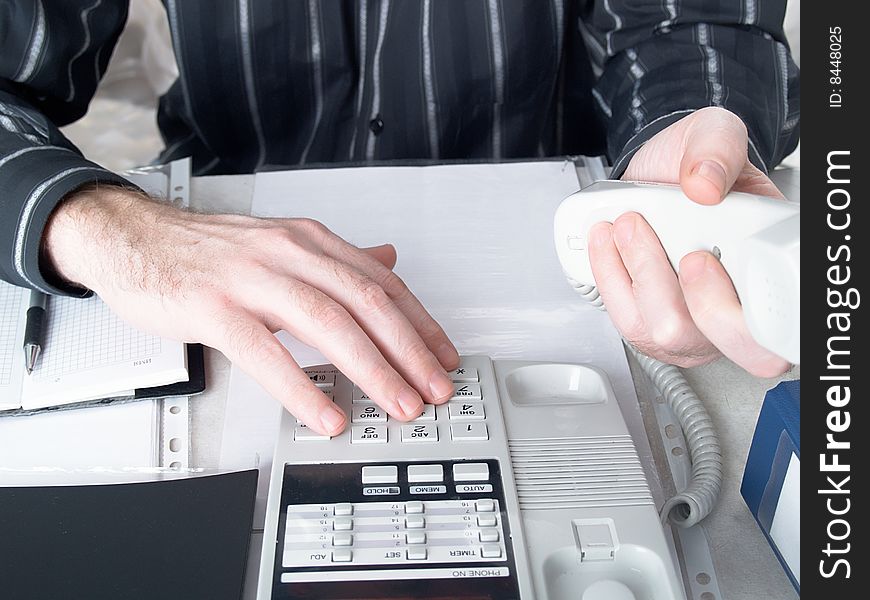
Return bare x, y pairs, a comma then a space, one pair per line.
556, 384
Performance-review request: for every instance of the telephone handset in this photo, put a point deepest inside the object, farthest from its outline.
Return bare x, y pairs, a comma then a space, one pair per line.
757, 239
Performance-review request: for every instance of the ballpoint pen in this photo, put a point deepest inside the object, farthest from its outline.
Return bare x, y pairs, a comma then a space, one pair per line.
33, 329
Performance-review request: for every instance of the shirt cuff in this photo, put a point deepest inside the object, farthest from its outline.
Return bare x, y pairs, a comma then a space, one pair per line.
644, 135
42, 176
640, 138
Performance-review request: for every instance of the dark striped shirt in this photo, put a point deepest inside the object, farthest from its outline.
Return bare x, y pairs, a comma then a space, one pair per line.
282, 83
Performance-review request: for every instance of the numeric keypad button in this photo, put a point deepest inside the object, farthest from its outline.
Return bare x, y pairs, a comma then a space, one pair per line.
360, 396
464, 375
369, 434
469, 432
428, 413
466, 411
423, 432
466, 391
368, 413
304, 433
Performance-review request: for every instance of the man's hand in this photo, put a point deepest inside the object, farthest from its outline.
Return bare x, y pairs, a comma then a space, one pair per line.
231, 281
693, 318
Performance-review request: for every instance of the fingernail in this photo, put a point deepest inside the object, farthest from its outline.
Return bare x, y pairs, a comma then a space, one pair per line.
410, 402
332, 419
600, 234
447, 355
440, 385
623, 229
693, 266
712, 172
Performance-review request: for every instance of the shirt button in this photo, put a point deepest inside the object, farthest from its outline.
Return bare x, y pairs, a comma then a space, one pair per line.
376, 125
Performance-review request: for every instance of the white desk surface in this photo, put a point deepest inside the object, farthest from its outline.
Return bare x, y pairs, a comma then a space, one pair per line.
745, 565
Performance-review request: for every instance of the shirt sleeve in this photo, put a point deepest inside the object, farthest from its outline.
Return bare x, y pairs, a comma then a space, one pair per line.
52, 55
662, 59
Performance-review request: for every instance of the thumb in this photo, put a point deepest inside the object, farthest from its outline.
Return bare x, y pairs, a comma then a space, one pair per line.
384, 254
714, 155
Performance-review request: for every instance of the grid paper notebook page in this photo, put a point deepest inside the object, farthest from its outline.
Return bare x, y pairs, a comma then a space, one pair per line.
91, 353
12, 300
84, 334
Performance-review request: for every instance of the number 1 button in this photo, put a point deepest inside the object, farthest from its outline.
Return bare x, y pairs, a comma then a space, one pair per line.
469, 432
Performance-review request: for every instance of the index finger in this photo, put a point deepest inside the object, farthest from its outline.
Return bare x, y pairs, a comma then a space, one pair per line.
253, 348
315, 318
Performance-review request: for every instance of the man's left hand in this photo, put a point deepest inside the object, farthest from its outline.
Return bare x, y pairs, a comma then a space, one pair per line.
693, 317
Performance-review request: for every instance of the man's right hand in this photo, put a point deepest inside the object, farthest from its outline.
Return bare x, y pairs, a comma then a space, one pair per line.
230, 281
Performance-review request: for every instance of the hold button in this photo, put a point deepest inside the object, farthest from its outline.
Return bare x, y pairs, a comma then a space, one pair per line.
380, 474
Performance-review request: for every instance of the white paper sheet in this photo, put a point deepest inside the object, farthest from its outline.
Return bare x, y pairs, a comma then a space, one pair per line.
785, 530
474, 243
111, 436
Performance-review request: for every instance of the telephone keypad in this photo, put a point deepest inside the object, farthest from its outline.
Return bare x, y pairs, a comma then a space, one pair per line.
464, 414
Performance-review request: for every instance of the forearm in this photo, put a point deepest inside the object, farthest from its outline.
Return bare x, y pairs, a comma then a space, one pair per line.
94, 231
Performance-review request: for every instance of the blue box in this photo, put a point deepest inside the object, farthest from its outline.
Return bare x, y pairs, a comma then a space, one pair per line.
771, 480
